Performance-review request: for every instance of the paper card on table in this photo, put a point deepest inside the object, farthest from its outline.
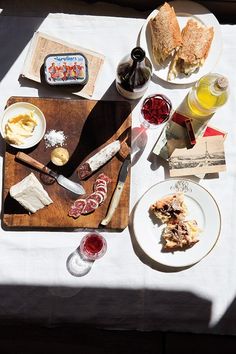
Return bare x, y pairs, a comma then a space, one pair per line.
176, 129
207, 156
43, 44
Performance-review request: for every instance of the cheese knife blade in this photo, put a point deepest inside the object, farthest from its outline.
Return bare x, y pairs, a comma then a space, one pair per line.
63, 181
118, 191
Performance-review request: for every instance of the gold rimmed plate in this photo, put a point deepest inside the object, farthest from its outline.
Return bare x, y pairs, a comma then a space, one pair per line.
202, 207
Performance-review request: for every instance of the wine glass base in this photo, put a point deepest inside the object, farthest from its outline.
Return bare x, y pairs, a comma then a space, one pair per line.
77, 266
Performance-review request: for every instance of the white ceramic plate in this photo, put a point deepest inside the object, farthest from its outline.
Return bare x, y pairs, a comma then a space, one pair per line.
184, 11
201, 206
21, 108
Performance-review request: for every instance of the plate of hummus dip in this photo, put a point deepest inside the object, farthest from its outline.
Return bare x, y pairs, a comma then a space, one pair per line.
23, 125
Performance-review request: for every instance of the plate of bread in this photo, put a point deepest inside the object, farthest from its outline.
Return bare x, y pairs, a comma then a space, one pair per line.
183, 41
177, 222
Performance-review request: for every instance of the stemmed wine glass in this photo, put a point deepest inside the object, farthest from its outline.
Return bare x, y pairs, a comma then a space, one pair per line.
156, 110
92, 247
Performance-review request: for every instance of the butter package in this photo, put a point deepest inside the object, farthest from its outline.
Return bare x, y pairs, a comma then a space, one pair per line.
66, 69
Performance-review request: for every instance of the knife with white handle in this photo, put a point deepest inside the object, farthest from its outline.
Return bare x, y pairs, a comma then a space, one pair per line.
118, 191
63, 181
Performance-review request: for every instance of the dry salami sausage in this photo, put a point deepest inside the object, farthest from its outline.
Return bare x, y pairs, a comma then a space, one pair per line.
99, 159
83, 206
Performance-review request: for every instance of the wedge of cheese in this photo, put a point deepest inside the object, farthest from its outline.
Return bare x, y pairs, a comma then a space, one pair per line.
30, 194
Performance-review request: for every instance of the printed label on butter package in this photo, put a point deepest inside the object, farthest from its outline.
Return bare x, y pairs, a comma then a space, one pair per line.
66, 69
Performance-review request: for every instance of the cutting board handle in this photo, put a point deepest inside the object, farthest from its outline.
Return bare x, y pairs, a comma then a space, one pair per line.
32, 162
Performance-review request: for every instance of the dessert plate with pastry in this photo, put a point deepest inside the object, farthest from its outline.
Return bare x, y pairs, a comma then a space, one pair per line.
183, 41
177, 222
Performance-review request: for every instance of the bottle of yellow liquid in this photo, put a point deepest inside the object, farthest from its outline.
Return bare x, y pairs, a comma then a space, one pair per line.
209, 93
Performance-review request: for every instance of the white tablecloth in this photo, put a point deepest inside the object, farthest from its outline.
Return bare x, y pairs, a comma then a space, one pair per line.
123, 290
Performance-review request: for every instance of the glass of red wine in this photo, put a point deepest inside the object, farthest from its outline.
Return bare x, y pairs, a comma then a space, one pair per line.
156, 110
92, 247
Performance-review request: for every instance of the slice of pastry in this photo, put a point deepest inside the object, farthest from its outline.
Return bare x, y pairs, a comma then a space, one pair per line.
197, 39
165, 33
181, 235
170, 208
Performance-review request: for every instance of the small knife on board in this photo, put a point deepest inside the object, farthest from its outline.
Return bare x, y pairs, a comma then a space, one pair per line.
63, 181
118, 191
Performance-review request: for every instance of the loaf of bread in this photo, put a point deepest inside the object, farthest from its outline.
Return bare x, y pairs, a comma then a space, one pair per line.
165, 33
191, 55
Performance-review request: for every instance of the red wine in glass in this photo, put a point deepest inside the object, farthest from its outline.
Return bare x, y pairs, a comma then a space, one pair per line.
156, 110
92, 247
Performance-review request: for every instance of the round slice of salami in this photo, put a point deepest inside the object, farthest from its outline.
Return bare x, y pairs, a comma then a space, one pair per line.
104, 178
74, 212
102, 191
90, 206
103, 195
101, 188
98, 197
100, 181
80, 203
77, 208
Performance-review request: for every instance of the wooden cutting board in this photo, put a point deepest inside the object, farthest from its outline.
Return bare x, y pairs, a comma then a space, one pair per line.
88, 126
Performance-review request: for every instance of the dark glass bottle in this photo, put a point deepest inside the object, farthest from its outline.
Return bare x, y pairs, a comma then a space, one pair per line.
133, 74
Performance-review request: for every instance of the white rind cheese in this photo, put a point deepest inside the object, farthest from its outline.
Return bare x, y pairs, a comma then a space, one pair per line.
30, 194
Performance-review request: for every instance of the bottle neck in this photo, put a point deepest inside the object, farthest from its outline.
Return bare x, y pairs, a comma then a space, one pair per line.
138, 54
219, 86
137, 57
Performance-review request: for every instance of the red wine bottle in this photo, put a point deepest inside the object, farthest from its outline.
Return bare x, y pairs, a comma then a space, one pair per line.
133, 74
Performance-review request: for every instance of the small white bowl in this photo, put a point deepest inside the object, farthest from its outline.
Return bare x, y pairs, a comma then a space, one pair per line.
21, 108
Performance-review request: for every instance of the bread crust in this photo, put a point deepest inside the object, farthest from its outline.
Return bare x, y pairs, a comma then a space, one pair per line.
197, 40
165, 33
170, 208
181, 235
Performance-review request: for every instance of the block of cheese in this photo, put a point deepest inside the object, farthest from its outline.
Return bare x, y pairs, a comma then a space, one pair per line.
30, 193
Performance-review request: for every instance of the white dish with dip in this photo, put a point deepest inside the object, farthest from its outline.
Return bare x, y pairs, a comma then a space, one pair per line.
25, 108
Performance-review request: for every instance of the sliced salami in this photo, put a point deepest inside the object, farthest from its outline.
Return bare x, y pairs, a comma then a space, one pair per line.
79, 203
104, 177
101, 188
99, 182
90, 206
102, 194
97, 196
91, 202
77, 208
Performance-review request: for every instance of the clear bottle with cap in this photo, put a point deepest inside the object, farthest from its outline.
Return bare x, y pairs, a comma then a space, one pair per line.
133, 74
209, 93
